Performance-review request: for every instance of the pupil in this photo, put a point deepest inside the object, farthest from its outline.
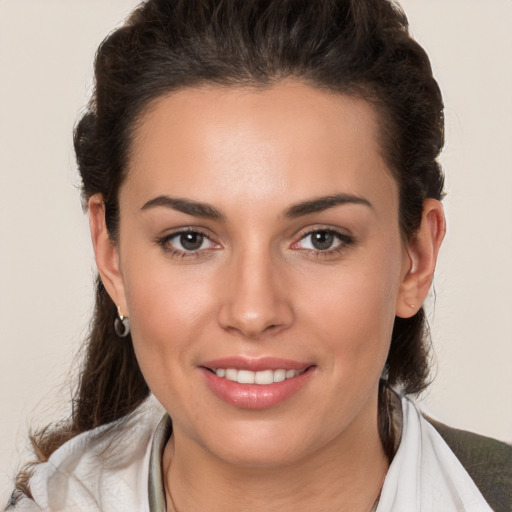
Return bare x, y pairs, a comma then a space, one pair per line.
322, 240
191, 241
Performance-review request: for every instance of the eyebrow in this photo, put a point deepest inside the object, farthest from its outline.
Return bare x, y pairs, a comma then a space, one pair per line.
195, 208
199, 209
324, 203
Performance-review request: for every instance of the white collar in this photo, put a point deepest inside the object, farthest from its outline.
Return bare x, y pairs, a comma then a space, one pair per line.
425, 475
108, 469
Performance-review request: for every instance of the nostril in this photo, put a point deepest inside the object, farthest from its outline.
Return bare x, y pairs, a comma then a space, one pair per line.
252, 316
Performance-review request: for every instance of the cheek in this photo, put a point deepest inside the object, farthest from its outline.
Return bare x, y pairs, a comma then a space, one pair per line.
167, 308
161, 294
354, 311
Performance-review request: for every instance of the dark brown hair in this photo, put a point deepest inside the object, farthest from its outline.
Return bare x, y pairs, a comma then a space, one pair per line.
356, 47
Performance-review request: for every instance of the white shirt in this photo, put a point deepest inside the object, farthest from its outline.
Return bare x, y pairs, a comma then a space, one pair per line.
107, 470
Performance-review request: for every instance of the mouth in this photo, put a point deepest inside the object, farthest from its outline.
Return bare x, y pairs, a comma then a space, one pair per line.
256, 383
262, 377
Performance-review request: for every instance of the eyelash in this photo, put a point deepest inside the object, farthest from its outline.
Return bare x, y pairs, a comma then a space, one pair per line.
344, 241
177, 253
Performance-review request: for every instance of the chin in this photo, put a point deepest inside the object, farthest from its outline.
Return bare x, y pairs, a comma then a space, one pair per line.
262, 444
261, 456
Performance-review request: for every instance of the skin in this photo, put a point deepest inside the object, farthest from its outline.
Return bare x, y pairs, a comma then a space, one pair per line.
257, 288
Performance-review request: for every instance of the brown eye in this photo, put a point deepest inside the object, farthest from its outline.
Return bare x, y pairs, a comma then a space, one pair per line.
322, 240
191, 241
186, 243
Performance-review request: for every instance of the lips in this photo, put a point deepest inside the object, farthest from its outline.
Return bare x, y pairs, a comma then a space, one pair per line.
256, 383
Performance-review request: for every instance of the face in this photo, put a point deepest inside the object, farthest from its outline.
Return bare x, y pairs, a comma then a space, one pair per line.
260, 263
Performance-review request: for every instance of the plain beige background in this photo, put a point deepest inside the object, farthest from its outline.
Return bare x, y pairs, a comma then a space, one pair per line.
46, 265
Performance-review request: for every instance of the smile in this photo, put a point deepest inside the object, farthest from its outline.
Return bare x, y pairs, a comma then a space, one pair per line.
263, 377
256, 383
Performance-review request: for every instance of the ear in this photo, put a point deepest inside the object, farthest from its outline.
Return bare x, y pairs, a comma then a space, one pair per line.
420, 264
106, 253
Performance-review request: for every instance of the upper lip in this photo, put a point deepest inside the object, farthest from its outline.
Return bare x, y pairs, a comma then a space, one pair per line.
255, 364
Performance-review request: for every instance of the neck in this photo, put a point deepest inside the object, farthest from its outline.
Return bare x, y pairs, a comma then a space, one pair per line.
346, 475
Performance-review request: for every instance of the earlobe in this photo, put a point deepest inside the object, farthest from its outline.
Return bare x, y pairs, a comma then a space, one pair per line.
421, 259
106, 252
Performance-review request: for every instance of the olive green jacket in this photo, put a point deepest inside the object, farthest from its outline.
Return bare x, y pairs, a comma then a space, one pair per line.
488, 462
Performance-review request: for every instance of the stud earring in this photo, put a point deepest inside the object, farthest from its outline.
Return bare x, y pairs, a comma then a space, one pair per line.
121, 324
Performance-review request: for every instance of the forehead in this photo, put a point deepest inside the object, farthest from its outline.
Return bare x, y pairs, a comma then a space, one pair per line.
277, 145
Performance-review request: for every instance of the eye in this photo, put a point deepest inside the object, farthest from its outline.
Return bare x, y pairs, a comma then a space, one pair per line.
324, 240
190, 241
186, 243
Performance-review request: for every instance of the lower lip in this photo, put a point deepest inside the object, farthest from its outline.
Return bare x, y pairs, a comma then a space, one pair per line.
255, 396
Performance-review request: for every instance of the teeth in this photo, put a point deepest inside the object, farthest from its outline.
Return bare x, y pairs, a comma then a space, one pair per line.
263, 377
279, 375
231, 374
290, 374
245, 377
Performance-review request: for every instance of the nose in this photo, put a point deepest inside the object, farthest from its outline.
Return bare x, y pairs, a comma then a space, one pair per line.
255, 297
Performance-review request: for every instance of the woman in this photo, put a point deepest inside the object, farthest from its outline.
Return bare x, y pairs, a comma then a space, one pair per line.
263, 193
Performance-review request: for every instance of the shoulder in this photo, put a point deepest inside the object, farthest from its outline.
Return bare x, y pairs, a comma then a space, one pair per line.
107, 466
487, 461
22, 504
